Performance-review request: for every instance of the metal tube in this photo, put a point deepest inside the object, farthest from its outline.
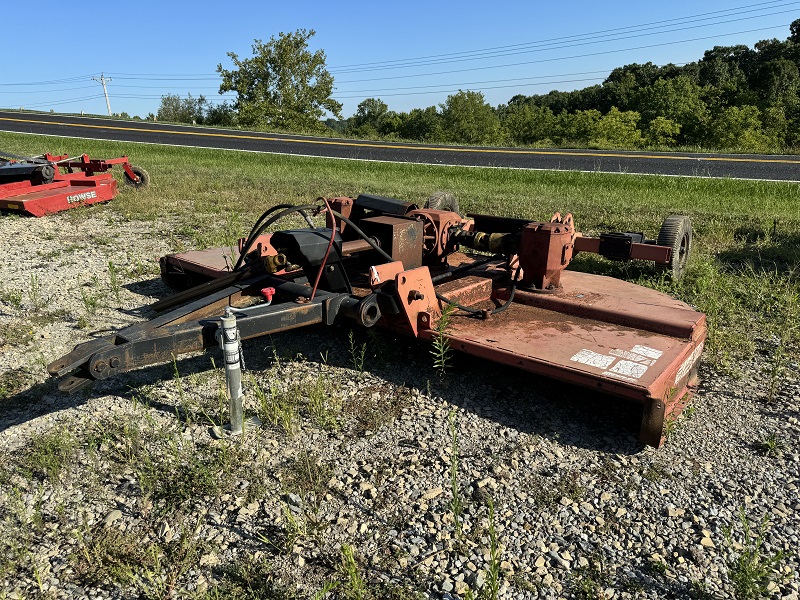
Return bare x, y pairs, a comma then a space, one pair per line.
229, 341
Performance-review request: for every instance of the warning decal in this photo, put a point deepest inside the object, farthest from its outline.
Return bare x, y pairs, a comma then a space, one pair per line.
647, 351
629, 369
593, 359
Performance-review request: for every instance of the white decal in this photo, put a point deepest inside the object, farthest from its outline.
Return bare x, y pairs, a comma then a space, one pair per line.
687, 365
81, 197
629, 369
632, 356
593, 359
618, 376
647, 351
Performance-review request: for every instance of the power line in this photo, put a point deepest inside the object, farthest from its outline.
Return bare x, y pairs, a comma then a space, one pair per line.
544, 60
693, 18
575, 41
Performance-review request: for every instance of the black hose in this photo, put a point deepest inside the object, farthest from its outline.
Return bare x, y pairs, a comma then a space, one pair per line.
472, 311
463, 268
481, 312
508, 302
252, 238
263, 216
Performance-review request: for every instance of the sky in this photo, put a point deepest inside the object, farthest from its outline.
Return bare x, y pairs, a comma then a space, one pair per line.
411, 54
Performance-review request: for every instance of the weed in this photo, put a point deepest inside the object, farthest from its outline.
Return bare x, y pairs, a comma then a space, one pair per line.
107, 555
324, 405
275, 408
440, 345
306, 474
353, 587
546, 494
456, 503
772, 445
49, 453
492, 585
750, 569
700, 590
376, 407
358, 353
11, 297
91, 302
164, 566
35, 293
590, 581
113, 280
178, 475
13, 381
655, 473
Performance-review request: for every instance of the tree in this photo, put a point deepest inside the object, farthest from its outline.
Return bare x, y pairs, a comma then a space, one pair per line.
618, 129
662, 132
528, 124
794, 31
739, 128
680, 100
423, 124
223, 115
283, 85
368, 118
182, 110
468, 119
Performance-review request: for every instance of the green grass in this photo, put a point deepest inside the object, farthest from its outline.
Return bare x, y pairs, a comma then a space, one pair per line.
747, 233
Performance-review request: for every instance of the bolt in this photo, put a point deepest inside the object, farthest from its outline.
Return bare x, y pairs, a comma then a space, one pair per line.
415, 295
114, 362
331, 268
100, 366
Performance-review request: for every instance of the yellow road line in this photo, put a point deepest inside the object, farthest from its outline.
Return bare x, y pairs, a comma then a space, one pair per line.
412, 147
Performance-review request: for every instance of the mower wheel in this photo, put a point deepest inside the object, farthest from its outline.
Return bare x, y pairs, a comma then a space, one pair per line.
676, 233
442, 201
44, 174
144, 178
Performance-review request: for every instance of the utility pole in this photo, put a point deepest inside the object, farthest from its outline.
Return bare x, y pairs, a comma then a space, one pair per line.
104, 81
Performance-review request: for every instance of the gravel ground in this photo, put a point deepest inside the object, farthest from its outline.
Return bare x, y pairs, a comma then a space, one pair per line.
579, 509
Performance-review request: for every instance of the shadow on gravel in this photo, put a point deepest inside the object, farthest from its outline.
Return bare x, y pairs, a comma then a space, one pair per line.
523, 402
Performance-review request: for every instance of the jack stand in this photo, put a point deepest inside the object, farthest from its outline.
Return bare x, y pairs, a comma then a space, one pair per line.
229, 341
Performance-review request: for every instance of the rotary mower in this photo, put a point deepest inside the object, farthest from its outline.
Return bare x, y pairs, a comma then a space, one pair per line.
46, 184
388, 263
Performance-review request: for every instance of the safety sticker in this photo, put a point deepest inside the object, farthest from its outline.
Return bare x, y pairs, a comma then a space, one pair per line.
687, 365
593, 359
647, 351
632, 356
629, 369
618, 376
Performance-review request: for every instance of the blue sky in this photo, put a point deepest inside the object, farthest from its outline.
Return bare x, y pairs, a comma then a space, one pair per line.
410, 54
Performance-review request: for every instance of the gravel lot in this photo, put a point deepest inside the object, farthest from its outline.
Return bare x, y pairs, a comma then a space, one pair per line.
579, 508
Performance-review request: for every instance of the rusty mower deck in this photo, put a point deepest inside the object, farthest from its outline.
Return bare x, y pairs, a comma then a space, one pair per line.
47, 184
387, 263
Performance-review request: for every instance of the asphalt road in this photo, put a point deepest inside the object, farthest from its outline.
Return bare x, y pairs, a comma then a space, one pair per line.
739, 166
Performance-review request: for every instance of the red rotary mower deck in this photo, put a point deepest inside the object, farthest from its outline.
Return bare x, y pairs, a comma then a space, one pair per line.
48, 184
386, 262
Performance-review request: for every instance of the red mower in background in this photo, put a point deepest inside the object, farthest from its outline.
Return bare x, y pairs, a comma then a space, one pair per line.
47, 184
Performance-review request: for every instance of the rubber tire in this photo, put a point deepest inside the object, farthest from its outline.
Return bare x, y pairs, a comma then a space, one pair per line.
442, 201
144, 178
676, 233
44, 175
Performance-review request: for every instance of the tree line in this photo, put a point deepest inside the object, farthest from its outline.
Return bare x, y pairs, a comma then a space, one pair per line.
735, 97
